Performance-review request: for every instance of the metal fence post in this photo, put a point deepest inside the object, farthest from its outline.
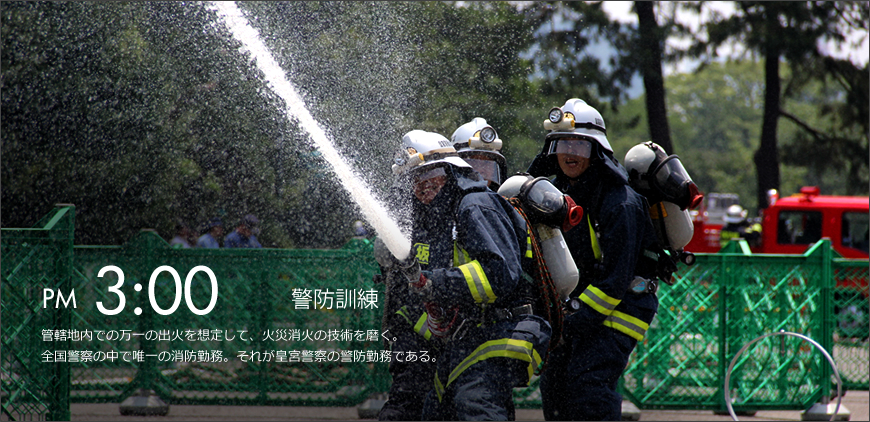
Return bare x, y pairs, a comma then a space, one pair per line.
62, 230
824, 409
725, 280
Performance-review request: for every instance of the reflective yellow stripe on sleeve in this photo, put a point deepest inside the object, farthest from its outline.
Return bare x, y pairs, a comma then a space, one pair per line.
627, 324
403, 312
505, 347
599, 300
421, 328
460, 256
478, 284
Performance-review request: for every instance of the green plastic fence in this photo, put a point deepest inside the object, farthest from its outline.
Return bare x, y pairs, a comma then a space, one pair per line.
288, 327
725, 301
32, 260
301, 327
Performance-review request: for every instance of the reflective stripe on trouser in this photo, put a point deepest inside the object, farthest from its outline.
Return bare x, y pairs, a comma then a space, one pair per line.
477, 282
476, 395
505, 347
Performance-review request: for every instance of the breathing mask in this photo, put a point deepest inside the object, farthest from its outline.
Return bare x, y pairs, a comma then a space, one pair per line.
542, 202
661, 177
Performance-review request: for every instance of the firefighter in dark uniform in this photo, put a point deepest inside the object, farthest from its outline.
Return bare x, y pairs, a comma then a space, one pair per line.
405, 324
738, 227
466, 270
614, 301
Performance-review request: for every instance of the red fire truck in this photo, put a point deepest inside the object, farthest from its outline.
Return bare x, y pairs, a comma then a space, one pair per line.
791, 224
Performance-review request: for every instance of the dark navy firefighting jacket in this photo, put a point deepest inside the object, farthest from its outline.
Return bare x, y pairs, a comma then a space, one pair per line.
471, 242
617, 219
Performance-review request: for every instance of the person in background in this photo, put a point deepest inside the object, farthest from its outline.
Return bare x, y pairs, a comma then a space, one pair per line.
183, 234
245, 234
213, 231
359, 230
737, 226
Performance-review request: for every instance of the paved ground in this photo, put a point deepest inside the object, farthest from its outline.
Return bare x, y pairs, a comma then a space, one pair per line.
857, 402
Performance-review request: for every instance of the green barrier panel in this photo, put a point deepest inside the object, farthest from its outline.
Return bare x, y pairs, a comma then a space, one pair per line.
302, 327
851, 311
34, 260
288, 327
725, 301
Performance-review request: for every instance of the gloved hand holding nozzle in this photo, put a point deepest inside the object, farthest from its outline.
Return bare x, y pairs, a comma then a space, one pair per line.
409, 267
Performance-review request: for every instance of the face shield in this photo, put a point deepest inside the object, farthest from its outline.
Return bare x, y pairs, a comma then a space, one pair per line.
571, 146
427, 182
490, 165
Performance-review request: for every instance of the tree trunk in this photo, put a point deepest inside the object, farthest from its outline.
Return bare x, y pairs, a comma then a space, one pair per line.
651, 42
767, 157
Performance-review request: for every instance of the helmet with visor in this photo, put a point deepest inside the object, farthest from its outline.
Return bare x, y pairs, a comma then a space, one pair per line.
478, 144
423, 158
576, 121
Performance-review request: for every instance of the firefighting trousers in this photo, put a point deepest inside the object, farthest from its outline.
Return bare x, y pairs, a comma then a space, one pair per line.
411, 380
580, 378
484, 391
477, 374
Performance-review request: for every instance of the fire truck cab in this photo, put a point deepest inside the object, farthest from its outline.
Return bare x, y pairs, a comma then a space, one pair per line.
792, 224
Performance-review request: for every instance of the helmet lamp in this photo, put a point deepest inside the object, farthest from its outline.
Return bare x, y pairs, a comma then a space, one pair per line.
555, 115
487, 134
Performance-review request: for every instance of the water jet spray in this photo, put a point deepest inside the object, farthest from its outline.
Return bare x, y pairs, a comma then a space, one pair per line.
372, 209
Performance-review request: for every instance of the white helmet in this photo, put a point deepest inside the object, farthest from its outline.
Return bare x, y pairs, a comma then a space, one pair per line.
479, 145
476, 134
660, 177
421, 149
573, 119
735, 214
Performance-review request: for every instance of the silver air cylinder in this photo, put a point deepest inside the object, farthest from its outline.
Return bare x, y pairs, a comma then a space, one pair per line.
561, 265
678, 224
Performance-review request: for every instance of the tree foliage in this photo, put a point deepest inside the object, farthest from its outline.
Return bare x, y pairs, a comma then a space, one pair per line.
716, 116
120, 110
141, 113
790, 31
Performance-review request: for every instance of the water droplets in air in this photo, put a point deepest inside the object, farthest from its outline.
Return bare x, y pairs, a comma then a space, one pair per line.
372, 209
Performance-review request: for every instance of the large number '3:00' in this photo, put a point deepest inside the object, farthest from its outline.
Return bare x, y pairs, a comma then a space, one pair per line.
122, 300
